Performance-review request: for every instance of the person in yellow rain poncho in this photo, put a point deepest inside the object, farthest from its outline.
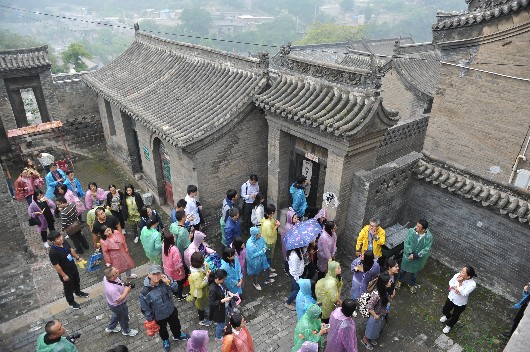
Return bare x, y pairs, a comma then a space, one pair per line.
327, 290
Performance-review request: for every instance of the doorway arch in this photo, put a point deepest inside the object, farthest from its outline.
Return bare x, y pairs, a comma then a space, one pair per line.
162, 163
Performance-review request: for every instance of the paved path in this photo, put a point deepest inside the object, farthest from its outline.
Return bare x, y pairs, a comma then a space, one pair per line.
32, 295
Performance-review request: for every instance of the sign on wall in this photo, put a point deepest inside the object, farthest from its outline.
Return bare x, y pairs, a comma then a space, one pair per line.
147, 155
307, 171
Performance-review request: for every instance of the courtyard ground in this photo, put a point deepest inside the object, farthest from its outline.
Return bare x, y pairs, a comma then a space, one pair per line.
413, 325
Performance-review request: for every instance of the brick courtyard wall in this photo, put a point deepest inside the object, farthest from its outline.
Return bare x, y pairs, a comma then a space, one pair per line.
228, 162
466, 233
479, 120
403, 139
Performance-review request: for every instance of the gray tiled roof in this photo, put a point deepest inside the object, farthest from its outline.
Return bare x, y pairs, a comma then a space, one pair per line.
419, 67
19, 59
332, 108
180, 91
488, 195
448, 20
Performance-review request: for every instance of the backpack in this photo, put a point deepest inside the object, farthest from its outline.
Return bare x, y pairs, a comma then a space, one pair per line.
362, 304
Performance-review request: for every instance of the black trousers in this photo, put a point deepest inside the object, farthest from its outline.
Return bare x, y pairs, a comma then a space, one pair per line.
518, 317
119, 215
174, 325
452, 318
80, 242
246, 224
71, 286
180, 288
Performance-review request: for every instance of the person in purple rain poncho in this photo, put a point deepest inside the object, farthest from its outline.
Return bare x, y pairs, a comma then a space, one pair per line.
198, 341
309, 346
364, 268
197, 245
322, 217
342, 336
291, 219
327, 247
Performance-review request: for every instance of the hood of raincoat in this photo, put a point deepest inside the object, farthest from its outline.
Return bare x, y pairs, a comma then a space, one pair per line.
198, 237
305, 286
289, 217
198, 341
309, 346
313, 312
322, 213
254, 232
332, 266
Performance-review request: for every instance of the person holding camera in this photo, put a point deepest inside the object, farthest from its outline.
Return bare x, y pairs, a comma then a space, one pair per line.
116, 294
156, 303
53, 340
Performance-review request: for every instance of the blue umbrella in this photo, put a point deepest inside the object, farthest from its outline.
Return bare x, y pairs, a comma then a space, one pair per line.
302, 234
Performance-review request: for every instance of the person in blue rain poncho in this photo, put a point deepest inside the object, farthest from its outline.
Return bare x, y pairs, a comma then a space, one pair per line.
257, 258
304, 298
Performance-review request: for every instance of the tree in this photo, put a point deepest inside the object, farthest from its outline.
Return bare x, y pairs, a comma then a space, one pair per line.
74, 55
346, 5
318, 33
10, 40
196, 20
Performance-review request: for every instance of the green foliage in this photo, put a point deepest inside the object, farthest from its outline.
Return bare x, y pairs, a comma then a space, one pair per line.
196, 20
107, 44
74, 55
318, 33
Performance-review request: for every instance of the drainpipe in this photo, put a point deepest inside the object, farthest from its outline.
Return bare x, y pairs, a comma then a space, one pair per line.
519, 157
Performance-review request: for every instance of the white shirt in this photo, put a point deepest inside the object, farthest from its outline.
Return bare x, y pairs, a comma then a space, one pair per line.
191, 209
296, 265
46, 159
460, 299
247, 190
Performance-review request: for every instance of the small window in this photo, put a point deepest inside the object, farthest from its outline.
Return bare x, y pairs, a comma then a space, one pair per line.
108, 110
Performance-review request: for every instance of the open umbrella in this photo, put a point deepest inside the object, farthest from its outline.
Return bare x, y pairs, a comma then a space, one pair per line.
301, 234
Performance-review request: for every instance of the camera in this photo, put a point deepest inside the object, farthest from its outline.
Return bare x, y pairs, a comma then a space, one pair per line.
73, 337
129, 284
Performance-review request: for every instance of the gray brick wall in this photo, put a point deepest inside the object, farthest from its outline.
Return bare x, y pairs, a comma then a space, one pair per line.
466, 233
478, 120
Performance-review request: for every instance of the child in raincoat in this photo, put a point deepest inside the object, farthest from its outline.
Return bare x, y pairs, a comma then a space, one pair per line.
230, 264
257, 258
152, 241
115, 251
304, 298
199, 285
328, 289
309, 328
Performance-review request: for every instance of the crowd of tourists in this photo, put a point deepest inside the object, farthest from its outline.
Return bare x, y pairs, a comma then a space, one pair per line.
179, 257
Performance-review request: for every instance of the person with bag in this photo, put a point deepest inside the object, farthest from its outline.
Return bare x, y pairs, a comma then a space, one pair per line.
115, 251
199, 286
218, 298
365, 269
342, 334
249, 191
230, 264
116, 293
70, 224
71, 198
232, 227
327, 247
40, 214
376, 307
228, 203
237, 338
62, 258
131, 205
460, 287
156, 304
114, 204
197, 245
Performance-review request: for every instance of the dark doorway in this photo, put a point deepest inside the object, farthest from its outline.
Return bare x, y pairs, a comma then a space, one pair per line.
304, 166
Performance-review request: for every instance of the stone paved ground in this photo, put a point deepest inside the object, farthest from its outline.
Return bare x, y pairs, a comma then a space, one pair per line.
413, 326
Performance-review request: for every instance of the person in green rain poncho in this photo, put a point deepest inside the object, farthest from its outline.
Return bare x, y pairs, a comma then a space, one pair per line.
327, 290
52, 340
309, 328
152, 241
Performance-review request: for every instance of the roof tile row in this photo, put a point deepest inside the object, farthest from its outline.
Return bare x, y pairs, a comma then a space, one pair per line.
18, 59
488, 196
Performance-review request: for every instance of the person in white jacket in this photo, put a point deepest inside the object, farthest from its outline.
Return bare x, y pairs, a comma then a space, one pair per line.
460, 287
295, 259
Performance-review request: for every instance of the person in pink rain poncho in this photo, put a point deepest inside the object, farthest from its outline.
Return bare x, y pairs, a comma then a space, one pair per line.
342, 336
115, 251
197, 245
198, 341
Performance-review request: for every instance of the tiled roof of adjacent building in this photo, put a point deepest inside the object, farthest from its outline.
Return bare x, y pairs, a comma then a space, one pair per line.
507, 204
19, 59
330, 107
364, 61
182, 92
419, 67
447, 20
